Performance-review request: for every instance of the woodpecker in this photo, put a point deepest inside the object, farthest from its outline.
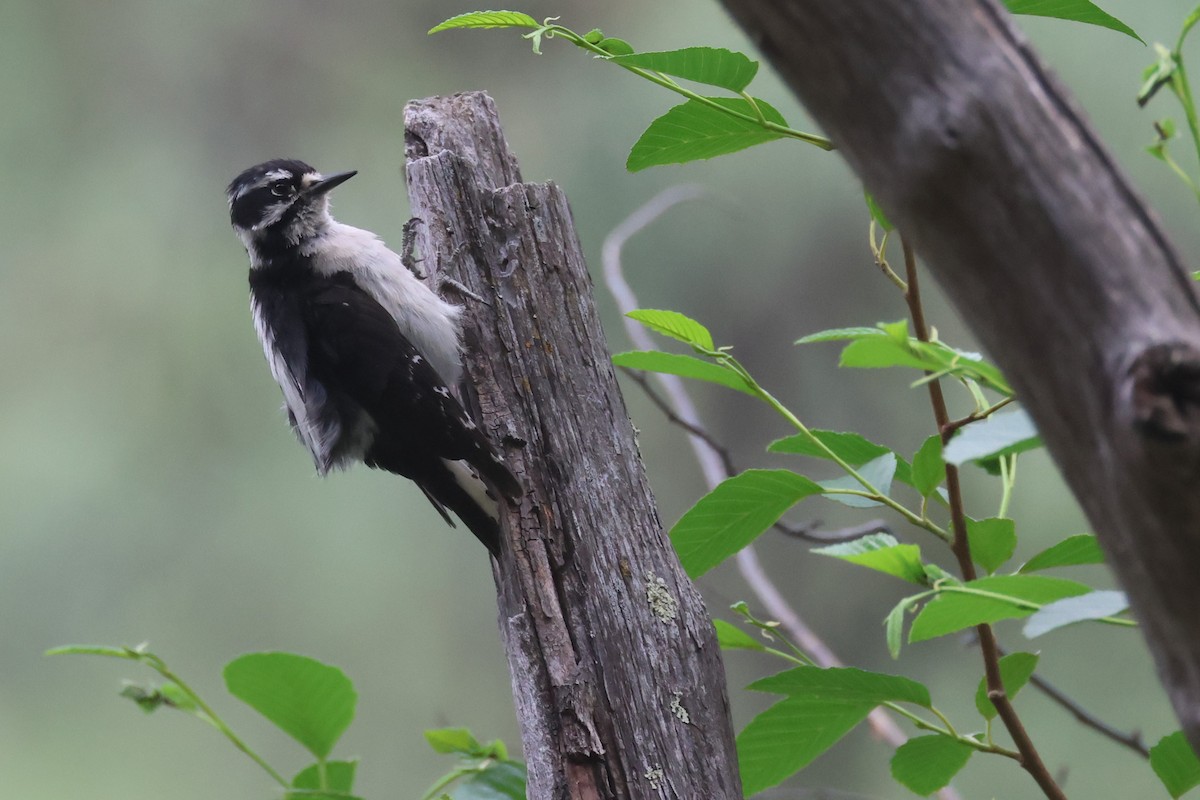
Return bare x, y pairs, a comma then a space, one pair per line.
365, 353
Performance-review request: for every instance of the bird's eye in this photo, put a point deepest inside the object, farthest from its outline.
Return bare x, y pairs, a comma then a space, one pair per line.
281, 188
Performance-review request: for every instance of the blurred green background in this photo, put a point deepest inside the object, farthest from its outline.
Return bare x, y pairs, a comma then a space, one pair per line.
150, 489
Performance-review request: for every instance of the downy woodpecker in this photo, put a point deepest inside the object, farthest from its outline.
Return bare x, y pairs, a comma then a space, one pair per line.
366, 354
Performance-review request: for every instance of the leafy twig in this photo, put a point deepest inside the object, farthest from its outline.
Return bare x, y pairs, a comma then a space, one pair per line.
1030, 759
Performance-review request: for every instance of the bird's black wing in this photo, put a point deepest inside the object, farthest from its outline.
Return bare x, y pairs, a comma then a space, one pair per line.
355, 345
280, 324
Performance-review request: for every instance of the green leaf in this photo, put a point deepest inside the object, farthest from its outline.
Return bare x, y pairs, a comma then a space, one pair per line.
1075, 10
877, 213
714, 66
306, 699
881, 351
1015, 671
992, 541
1073, 551
694, 131
682, 365
733, 514
840, 334
878, 472
1093, 605
828, 703
614, 46
675, 325
789, 735
1175, 764
852, 448
925, 764
998, 435
127, 653
880, 551
1014, 597
338, 774
453, 740
928, 468
731, 637
501, 780
844, 685
487, 19
894, 627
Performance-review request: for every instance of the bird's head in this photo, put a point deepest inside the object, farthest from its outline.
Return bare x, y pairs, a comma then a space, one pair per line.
279, 204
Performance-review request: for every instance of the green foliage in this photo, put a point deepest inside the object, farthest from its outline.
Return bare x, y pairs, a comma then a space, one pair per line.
988, 600
1076, 10
1015, 671
338, 781
1175, 764
925, 764
714, 66
1168, 70
890, 345
846, 685
482, 771
881, 552
487, 19
992, 541
998, 436
677, 326
1072, 551
703, 128
1097, 605
682, 365
311, 702
734, 514
731, 637
928, 468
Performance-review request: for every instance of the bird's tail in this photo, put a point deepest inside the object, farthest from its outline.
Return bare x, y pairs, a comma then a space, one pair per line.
459, 488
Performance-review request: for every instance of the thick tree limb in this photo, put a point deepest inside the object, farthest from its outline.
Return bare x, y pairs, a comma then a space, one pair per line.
617, 677
1039, 240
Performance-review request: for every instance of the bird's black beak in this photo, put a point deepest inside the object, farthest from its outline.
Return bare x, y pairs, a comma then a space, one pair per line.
327, 183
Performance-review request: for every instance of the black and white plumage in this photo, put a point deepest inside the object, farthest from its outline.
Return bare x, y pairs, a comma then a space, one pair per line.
364, 352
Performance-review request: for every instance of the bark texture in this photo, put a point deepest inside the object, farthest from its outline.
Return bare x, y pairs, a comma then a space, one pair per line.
617, 676
983, 161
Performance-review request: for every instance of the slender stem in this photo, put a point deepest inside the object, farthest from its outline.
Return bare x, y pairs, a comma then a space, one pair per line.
871, 490
1030, 759
667, 83
975, 416
159, 666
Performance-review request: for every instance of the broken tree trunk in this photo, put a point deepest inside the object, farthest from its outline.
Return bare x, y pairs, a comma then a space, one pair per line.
983, 161
618, 681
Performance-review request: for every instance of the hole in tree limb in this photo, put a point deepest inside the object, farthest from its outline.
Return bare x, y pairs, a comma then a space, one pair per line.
1166, 391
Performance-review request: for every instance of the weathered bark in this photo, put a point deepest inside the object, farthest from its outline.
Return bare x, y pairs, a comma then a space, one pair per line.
618, 680
1067, 278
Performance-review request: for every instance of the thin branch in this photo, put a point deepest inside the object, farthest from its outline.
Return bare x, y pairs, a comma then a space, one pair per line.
975, 416
1030, 759
748, 563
